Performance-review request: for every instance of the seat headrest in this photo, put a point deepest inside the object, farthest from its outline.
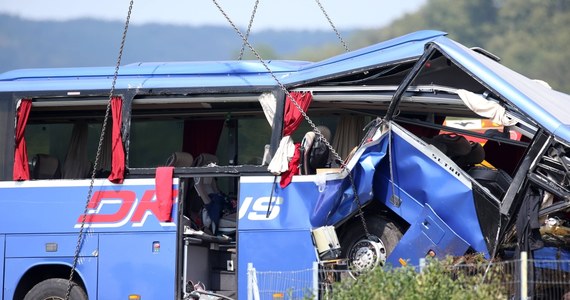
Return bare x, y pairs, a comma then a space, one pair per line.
180, 159
45, 166
205, 159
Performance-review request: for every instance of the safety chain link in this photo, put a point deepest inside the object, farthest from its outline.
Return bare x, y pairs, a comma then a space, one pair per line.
332, 25
248, 28
359, 205
98, 156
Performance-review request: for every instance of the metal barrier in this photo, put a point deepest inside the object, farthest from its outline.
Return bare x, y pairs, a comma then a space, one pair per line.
515, 279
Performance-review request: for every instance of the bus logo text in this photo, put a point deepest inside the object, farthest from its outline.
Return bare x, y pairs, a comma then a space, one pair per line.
258, 211
112, 209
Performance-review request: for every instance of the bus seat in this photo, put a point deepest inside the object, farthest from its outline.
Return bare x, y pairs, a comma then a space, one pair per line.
314, 153
205, 185
45, 166
496, 181
180, 159
213, 199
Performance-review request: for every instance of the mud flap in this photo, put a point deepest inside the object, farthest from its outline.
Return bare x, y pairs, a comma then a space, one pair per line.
429, 232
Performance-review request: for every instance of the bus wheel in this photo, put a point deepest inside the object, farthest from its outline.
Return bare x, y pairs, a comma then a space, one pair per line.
364, 253
55, 289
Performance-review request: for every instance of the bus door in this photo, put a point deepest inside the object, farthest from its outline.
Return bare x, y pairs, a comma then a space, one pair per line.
432, 194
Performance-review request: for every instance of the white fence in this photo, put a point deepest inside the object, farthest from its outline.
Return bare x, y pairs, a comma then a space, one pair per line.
519, 279
300, 284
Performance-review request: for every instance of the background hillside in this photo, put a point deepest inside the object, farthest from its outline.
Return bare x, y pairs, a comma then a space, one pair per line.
39, 44
531, 37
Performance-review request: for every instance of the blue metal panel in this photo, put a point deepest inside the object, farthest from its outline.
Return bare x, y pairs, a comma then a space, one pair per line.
415, 37
129, 264
337, 201
290, 207
271, 250
552, 258
127, 207
163, 75
157, 69
429, 232
31, 245
2, 246
15, 269
430, 178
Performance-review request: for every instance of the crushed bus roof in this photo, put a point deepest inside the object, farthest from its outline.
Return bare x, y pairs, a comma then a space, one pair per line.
542, 104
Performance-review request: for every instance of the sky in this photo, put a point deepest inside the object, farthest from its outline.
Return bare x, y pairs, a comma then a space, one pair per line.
271, 14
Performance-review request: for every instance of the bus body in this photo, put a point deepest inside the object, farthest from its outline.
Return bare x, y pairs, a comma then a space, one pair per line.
198, 204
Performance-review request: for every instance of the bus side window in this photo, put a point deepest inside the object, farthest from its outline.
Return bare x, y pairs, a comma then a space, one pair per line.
47, 145
152, 142
64, 150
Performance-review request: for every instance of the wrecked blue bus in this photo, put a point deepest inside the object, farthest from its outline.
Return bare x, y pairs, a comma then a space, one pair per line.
416, 146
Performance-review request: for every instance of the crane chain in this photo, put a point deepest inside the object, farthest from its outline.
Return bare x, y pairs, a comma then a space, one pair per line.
98, 156
248, 28
304, 114
332, 25
281, 86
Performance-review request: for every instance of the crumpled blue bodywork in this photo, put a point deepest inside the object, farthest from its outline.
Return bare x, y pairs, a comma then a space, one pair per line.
436, 199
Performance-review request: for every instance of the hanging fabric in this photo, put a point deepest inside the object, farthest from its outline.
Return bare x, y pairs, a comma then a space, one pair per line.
21, 167
486, 108
268, 104
348, 134
287, 176
293, 117
163, 183
118, 150
283, 158
76, 164
201, 136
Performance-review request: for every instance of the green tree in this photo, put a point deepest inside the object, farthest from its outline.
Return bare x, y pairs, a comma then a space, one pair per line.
531, 36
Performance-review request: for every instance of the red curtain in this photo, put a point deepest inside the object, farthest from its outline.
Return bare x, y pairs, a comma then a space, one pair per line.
118, 150
291, 121
201, 136
163, 183
21, 168
293, 118
287, 176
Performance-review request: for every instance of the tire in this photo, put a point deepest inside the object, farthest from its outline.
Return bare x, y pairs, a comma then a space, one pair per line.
364, 254
55, 289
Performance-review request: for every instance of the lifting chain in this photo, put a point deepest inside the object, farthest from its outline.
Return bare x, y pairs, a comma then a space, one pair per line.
305, 116
97, 156
332, 25
281, 86
248, 29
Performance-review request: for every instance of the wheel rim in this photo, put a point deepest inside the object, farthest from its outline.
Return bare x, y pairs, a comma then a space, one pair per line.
365, 255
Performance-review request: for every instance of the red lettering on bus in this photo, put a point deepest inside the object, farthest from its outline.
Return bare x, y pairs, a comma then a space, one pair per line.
101, 198
147, 204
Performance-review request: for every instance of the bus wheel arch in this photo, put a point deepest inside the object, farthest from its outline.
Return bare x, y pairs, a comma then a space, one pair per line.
363, 252
41, 273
